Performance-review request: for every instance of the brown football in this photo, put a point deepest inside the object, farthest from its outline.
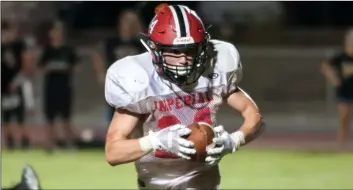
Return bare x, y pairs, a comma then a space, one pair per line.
201, 135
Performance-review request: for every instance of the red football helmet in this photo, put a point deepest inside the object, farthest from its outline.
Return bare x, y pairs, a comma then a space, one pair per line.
176, 27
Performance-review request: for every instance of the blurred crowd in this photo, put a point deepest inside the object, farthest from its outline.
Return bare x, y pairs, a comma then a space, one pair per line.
57, 63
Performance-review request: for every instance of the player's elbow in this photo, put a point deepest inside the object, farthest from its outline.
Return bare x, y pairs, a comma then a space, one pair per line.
261, 126
324, 68
113, 154
112, 157
254, 119
112, 161
109, 156
258, 123
258, 129
252, 115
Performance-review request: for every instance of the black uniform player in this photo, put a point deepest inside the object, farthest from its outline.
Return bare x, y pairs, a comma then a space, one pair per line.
339, 71
13, 74
29, 180
114, 48
58, 62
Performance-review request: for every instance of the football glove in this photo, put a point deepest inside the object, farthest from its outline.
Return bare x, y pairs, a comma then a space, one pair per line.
171, 139
225, 143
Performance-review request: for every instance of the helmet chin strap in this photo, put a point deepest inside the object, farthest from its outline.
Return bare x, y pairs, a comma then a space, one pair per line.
146, 46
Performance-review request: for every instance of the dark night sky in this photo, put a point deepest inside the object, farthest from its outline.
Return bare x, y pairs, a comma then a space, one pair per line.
308, 14
320, 13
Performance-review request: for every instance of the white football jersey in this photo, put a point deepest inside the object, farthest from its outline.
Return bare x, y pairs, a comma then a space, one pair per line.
132, 83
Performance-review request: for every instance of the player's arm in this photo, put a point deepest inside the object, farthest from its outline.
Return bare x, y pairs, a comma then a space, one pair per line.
240, 101
253, 125
119, 149
43, 61
329, 72
98, 64
243, 103
74, 60
27, 67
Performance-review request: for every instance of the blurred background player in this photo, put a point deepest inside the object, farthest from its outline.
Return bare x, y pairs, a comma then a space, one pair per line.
58, 62
339, 71
15, 69
125, 43
29, 180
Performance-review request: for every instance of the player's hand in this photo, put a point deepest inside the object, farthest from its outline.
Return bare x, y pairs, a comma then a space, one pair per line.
172, 139
225, 143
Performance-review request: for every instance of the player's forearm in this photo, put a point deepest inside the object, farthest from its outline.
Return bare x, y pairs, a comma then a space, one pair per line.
28, 64
251, 132
330, 74
19, 79
98, 65
332, 79
125, 151
253, 125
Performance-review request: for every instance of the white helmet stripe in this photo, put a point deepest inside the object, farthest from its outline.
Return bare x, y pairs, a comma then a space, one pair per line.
176, 21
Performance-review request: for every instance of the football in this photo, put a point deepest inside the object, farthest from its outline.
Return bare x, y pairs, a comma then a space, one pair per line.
201, 135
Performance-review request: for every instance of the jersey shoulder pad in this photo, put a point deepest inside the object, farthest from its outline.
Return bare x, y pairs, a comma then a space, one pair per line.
228, 60
127, 82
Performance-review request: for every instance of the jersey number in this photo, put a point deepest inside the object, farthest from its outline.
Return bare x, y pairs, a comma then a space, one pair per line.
202, 115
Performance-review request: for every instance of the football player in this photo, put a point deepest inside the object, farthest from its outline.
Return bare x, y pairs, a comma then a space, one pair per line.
29, 180
182, 79
16, 69
125, 43
339, 72
58, 63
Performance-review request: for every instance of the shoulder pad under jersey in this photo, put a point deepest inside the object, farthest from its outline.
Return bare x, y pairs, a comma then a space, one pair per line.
228, 62
126, 84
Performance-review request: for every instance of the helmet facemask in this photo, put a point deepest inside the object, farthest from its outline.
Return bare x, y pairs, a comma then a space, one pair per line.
180, 75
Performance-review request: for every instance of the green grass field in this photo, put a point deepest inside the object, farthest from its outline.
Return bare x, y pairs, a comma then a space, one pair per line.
244, 169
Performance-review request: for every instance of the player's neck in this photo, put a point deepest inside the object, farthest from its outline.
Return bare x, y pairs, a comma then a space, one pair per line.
125, 34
